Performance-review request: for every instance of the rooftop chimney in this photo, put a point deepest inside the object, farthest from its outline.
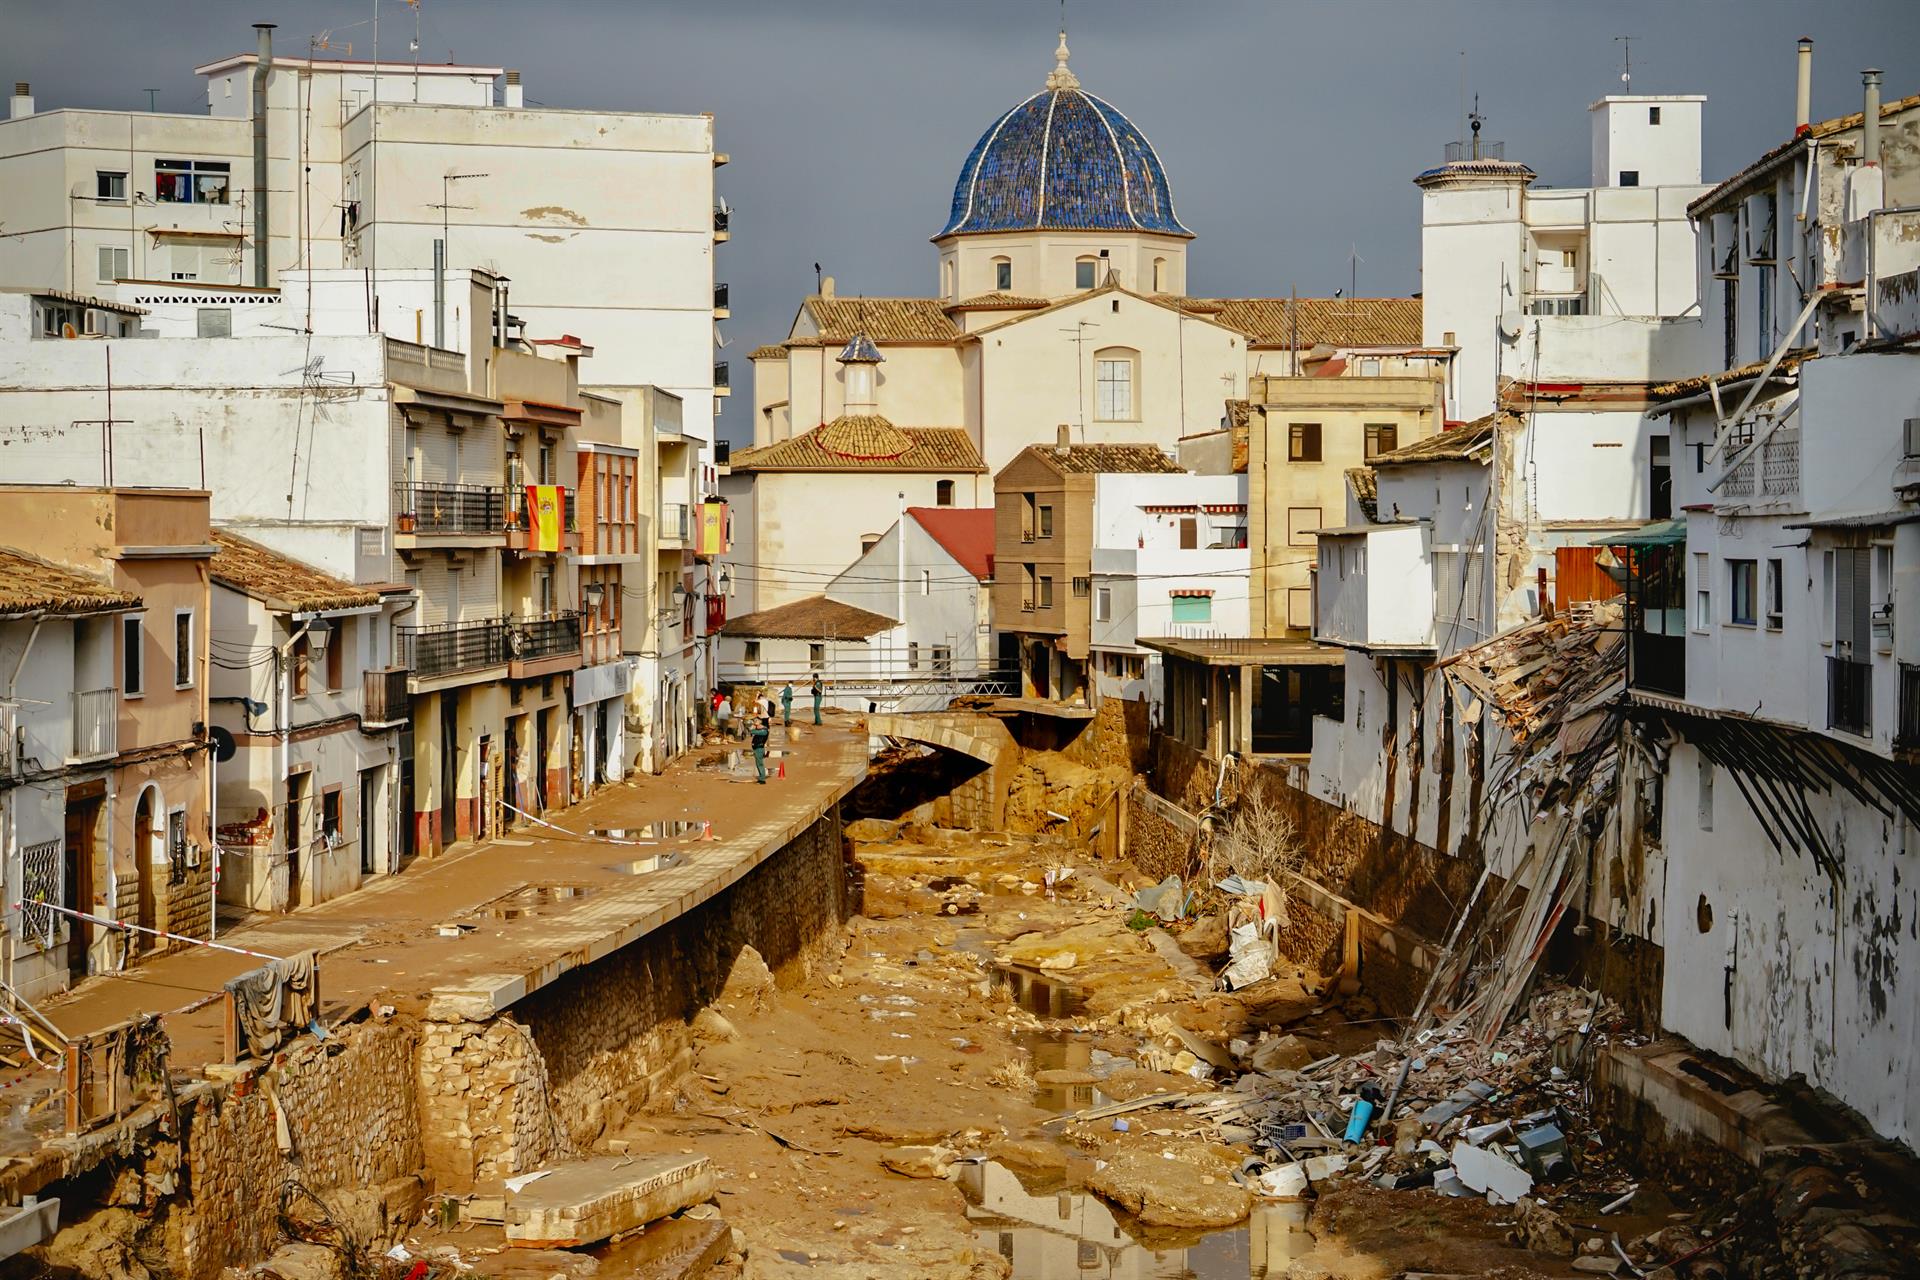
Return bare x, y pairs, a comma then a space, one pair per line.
262, 67
1870, 122
514, 96
826, 286
1063, 436
22, 100
1803, 89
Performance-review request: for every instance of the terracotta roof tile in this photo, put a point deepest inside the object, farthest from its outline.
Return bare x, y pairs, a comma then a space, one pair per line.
771, 351
1269, 322
965, 532
865, 443
1699, 382
29, 584
1365, 486
997, 302
882, 319
1819, 129
1460, 444
1106, 459
814, 618
280, 582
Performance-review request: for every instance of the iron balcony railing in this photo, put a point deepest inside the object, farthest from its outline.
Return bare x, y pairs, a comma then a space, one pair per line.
676, 525
96, 714
721, 379
721, 219
723, 452
1906, 731
1850, 696
451, 647
516, 521
450, 508
549, 636
383, 696
720, 297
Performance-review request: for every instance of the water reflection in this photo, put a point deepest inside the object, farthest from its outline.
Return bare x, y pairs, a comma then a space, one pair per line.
1060, 1232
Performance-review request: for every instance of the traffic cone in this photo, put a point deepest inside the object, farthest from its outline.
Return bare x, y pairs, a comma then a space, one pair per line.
782, 770
706, 830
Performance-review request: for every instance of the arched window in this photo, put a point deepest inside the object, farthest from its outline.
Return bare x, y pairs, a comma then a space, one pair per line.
946, 279
943, 493
1159, 275
1002, 274
1086, 273
1115, 372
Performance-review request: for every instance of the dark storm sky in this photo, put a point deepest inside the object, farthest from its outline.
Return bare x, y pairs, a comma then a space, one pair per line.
1289, 130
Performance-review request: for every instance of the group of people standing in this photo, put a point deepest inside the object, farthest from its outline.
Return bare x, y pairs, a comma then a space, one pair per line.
759, 726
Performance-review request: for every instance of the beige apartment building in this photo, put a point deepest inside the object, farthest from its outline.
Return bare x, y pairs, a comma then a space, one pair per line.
1043, 534
1310, 440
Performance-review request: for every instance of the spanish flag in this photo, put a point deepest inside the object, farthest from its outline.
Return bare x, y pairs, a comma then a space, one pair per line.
543, 523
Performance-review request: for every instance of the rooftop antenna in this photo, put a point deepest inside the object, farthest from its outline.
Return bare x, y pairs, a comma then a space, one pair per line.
816, 279
1079, 332
1626, 76
1474, 121
152, 96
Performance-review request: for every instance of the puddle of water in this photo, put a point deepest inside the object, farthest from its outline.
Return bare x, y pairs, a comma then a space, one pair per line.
652, 862
1038, 992
1067, 1069
532, 899
1061, 1232
675, 830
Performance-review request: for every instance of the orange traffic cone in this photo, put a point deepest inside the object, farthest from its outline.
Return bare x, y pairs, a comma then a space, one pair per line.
782, 770
706, 830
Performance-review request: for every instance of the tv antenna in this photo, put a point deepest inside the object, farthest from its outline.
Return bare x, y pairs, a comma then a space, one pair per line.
1626, 44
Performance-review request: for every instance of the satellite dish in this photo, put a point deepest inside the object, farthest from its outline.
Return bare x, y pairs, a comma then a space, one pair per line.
222, 743
1510, 325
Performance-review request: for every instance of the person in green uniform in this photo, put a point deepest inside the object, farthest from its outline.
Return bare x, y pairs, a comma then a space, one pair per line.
819, 692
761, 728
786, 705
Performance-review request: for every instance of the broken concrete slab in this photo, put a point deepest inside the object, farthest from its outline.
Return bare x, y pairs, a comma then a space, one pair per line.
587, 1201
1500, 1180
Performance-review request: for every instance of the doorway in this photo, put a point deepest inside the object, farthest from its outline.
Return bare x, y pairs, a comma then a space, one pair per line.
541, 745
299, 789
483, 798
146, 849
76, 885
516, 729
449, 768
601, 743
369, 825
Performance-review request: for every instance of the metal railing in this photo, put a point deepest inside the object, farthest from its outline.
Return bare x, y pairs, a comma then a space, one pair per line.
721, 378
720, 297
1906, 732
1850, 696
721, 219
516, 518
383, 696
549, 636
96, 716
451, 647
676, 525
450, 508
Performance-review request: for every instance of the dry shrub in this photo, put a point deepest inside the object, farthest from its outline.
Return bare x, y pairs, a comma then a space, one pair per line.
1259, 841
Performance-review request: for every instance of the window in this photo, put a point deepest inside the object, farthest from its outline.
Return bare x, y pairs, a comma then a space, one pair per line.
213, 322
1653, 115
1113, 387
816, 657
336, 656
1027, 592
752, 656
1159, 275
1740, 592
1300, 607
183, 649
133, 664
1194, 608
1382, 437
1046, 592
1046, 522
1706, 793
942, 660
1702, 595
1082, 588
176, 846
1002, 274
330, 827
926, 582
1189, 533
1776, 613
913, 655
115, 264
1730, 321
868, 541
1303, 442
1302, 524
294, 823
1764, 296
1570, 258
1629, 177
191, 181
1027, 517
1103, 605
109, 186
1083, 272
943, 493
297, 671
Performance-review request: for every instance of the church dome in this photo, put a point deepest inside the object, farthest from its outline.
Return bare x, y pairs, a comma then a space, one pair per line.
1062, 160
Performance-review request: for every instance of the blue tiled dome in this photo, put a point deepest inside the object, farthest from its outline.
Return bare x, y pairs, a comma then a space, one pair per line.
1062, 160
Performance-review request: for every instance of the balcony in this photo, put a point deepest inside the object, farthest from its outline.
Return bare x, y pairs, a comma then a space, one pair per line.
722, 220
1658, 663
443, 510
676, 524
96, 717
1775, 468
521, 532
1906, 732
722, 380
1375, 589
1850, 696
450, 648
545, 644
720, 309
383, 697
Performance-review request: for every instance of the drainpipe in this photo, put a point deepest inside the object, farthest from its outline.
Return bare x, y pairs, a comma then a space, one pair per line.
1870, 117
900, 565
262, 67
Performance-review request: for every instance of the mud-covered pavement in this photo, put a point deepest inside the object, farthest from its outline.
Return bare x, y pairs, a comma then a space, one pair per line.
906, 1116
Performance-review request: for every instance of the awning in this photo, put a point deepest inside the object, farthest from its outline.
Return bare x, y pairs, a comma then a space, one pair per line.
1873, 520
1661, 533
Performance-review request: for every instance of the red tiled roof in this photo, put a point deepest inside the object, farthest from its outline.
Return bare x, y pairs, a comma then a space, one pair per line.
965, 532
814, 618
865, 443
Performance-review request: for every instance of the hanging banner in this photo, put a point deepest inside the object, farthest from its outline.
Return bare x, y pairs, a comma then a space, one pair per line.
543, 517
713, 529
